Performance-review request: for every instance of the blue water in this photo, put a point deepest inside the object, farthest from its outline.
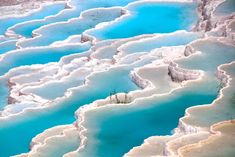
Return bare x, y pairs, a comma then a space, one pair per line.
80, 5
16, 136
7, 46
38, 56
151, 18
116, 130
45, 11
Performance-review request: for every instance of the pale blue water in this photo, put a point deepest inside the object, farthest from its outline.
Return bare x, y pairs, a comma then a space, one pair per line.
76, 27
38, 56
151, 18
59, 87
45, 11
211, 56
4, 38
7, 46
16, 136
227, 7
80, 5
168, 40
